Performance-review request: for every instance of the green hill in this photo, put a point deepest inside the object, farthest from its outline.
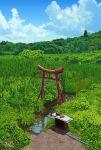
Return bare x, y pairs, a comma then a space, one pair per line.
90, 42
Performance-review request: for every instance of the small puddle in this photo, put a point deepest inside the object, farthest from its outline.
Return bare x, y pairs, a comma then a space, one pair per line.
40, 124
42, 119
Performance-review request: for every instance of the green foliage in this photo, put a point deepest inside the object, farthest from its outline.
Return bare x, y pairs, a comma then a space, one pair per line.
30, 54
86, 113
25, 117
85, 33
20, 85
50, 124
85, 43
11, 136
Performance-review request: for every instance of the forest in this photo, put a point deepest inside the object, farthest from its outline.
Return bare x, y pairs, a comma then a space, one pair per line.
87, 42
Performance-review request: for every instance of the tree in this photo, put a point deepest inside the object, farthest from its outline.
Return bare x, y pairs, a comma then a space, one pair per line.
85, 33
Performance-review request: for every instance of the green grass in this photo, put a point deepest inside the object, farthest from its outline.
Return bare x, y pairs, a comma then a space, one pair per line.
20, 84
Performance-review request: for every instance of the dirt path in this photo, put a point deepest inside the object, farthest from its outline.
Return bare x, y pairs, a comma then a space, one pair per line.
52, 140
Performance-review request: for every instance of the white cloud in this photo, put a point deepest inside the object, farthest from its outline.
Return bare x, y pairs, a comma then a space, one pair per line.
16, 30
15, 22
3, 22
70, 21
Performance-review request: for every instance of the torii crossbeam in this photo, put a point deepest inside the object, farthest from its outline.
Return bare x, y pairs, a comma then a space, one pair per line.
56, 73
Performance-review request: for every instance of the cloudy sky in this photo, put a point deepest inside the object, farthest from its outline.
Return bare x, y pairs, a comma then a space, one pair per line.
40, 20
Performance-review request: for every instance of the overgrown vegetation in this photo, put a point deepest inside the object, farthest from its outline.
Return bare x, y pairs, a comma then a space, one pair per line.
20, 84
86, 113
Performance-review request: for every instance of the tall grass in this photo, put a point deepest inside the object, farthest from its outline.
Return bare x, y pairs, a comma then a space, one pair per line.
74, 78
20, 84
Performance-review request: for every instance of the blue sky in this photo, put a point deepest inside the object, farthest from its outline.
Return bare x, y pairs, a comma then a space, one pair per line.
32, 10
39, 20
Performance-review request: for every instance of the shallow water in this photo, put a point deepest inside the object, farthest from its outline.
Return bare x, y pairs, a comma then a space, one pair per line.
41, 123
43, 118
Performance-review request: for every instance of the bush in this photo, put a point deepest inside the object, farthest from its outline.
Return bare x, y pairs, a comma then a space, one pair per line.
73, 61
98, 61
12, 137
84, 109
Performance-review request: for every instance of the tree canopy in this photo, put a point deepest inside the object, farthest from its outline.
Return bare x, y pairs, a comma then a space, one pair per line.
87, 42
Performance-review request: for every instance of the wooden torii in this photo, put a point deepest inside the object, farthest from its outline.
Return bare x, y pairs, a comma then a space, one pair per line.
56, 73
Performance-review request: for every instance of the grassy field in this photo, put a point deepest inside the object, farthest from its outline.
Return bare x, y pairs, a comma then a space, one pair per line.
20, 85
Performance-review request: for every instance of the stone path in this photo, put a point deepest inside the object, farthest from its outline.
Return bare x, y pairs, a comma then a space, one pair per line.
52, 140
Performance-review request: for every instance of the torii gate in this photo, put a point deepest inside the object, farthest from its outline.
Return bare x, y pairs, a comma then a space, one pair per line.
56, 73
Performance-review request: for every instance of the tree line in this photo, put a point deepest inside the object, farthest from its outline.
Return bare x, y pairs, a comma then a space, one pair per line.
87, 42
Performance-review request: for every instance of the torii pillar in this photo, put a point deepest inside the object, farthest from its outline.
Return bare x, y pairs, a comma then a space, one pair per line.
56, 73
